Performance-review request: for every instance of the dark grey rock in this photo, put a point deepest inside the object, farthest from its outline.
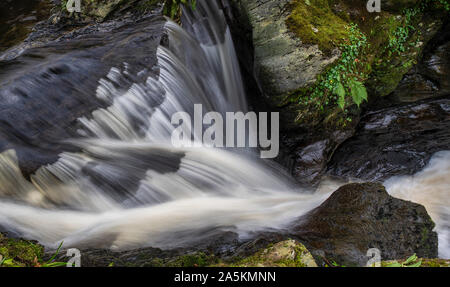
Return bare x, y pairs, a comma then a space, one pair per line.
394, 141
358, 217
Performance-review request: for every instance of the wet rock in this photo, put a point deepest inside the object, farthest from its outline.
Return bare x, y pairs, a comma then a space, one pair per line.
429, 78
282, 63
311, 160
358, 217
394, 141
397, 5
46, 85
17, 18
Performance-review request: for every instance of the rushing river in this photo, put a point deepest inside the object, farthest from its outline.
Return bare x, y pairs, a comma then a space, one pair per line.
126, 186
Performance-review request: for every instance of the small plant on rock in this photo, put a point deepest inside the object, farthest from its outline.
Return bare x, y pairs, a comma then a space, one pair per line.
410, 262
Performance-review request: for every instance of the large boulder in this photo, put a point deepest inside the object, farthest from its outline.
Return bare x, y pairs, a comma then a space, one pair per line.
358, 217
283, 63
298, 47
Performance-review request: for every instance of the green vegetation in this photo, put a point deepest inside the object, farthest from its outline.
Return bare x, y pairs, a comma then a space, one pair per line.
445, 4
196, 259
25, 253
199, 259
346, 77
399, 38
289, 253
435, 263
172, 8
314, 22
412, 261
376, 51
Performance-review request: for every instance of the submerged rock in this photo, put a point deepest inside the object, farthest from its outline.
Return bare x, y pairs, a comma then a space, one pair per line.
358, 217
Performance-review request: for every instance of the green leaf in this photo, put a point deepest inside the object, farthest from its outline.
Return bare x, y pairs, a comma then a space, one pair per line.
358, 92
410, 259
395, 264
56, 253
55, 264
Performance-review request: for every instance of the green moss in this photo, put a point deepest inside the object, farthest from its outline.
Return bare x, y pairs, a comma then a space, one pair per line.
435, 263
199, 259
376, 52
22, 252
314, 22
423, 262
289, 253
172, 8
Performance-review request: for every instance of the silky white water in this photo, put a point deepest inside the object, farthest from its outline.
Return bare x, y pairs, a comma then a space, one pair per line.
431, 188
129, 187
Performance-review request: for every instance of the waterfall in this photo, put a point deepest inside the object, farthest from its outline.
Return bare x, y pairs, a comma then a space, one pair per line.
129, 187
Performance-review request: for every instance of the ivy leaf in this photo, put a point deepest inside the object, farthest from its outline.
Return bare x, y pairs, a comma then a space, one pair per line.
340, 92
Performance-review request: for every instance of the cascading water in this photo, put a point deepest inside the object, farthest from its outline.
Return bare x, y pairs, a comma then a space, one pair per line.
129, 187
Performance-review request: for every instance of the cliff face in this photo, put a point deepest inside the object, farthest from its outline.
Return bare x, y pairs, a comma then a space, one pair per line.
320, 63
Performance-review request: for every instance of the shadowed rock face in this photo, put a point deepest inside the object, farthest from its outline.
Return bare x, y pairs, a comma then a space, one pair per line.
358, 217
394, 141
282, 63
397, 5
17, 18
429, 78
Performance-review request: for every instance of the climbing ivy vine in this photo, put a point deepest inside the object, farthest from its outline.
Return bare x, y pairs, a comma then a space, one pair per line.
344, 80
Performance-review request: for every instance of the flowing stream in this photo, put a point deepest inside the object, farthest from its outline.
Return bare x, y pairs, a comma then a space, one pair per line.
129, 187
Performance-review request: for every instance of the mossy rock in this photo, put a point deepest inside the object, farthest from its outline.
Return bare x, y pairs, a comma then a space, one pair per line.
23, 253
425, 262
314, 22
289, 253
